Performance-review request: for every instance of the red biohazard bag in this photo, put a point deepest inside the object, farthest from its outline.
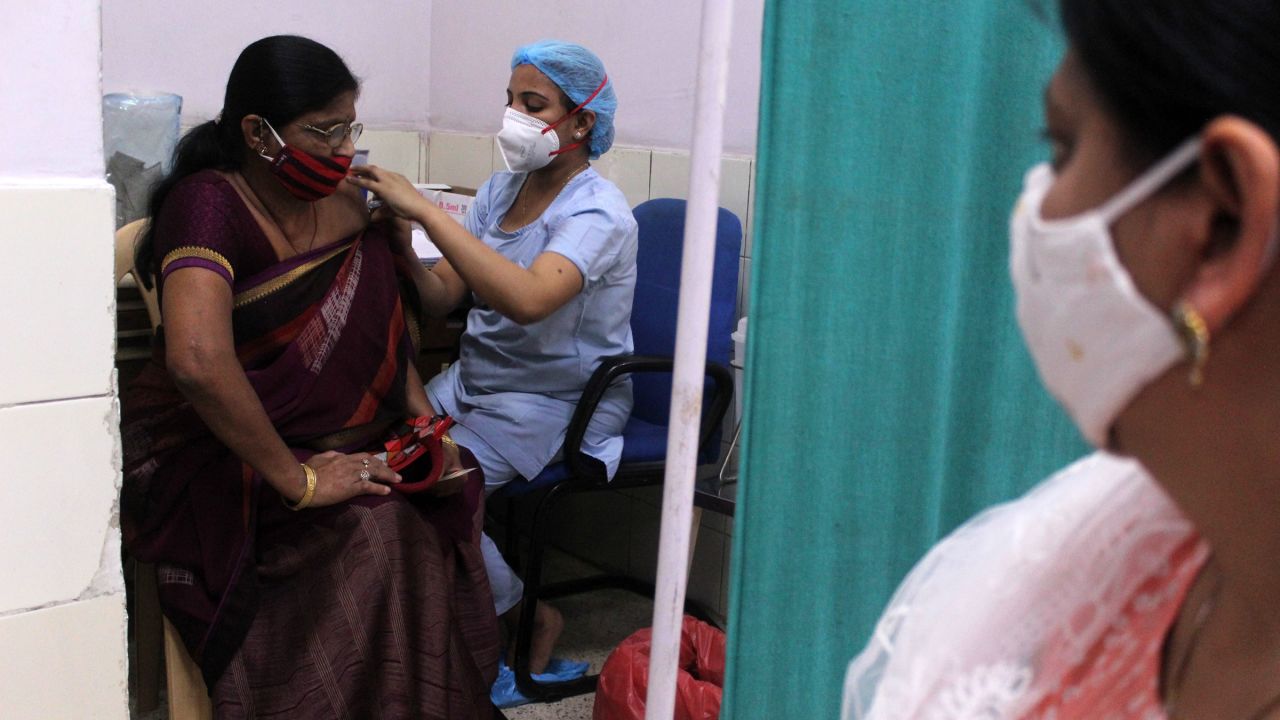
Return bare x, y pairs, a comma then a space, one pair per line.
624, 680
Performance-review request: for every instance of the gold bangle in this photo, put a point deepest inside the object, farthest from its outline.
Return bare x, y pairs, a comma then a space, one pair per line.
445, 439
307, 495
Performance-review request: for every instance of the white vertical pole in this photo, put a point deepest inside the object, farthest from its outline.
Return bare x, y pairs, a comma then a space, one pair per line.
691, 356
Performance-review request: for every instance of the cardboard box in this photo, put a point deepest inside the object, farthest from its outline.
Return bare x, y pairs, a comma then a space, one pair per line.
455, 201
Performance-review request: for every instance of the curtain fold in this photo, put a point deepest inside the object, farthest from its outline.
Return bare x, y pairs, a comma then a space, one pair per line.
889, 395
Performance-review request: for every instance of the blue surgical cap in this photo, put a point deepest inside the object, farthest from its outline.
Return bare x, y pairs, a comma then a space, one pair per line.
579, 73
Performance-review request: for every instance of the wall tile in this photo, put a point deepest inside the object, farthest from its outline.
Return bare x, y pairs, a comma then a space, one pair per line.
651, 496
645, 524
669, 175
728, 575
459, 160
707, 572
58, 516
735, 188
496, 163
670, 178
713, 520
66, 661
424, 153
628, 168
396, 150
59, 292
744, 288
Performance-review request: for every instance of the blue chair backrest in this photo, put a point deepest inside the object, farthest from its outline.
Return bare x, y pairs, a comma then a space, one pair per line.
653, 315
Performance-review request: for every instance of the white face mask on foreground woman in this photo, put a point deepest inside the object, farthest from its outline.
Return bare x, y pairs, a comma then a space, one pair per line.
1095, 339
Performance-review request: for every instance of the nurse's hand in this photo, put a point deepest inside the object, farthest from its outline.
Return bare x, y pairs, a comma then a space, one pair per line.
452, 464
394, 189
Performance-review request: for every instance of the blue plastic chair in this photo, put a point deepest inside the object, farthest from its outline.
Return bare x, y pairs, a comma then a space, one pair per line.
653, 326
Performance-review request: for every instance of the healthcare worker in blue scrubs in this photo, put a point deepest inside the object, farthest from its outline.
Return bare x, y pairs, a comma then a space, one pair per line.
547, 255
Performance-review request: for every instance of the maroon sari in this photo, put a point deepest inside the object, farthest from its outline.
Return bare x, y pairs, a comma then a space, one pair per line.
377, 607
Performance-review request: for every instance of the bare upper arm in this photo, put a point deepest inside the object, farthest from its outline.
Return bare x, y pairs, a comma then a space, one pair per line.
196, 312
556, 281
558, 278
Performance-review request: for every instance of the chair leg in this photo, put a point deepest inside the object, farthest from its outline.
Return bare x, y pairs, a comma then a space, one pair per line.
188, 697
148, 637
539, 536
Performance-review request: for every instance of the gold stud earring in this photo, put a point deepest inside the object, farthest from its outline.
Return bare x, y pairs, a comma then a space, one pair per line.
1195, 336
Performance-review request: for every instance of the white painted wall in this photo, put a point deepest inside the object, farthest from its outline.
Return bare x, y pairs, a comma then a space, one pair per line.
62, 621
443, 64
46, 42
649, 48
189, 46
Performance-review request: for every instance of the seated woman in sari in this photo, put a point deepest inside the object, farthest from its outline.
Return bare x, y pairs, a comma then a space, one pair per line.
1140, 582
301, 583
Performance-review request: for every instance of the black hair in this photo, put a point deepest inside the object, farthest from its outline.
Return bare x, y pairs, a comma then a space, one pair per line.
279, 78
1166, 68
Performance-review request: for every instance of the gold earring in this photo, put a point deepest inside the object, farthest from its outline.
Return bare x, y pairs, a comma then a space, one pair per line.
1195, 335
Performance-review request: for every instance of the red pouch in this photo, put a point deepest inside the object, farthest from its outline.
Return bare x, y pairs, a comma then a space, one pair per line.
416, 452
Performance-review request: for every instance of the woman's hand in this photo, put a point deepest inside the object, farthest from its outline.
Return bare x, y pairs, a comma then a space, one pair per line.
394, 189
341, 477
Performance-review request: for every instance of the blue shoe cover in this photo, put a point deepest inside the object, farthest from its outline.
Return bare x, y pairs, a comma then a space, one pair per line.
505, 694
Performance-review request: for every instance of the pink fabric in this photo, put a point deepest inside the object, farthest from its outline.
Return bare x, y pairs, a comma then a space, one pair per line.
1119, 677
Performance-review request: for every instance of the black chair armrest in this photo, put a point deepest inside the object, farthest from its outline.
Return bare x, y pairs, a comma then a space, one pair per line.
613, 368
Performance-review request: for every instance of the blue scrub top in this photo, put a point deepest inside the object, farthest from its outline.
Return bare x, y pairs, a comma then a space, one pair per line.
516, 386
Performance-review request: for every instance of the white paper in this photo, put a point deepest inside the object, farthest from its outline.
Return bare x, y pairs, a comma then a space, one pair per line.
427, 250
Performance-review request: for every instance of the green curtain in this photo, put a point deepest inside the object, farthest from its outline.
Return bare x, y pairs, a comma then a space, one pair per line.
889, 396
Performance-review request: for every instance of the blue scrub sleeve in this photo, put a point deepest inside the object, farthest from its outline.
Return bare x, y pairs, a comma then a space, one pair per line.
477, 216
591, 240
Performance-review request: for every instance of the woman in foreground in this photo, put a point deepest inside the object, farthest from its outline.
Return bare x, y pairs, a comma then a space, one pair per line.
1140, 582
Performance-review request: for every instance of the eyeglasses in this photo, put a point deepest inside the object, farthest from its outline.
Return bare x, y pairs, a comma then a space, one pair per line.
335, 135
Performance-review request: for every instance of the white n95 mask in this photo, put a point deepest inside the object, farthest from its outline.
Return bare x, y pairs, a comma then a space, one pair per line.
526, 143
1095, 339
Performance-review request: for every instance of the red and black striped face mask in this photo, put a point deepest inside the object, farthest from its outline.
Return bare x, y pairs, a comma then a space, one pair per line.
307, 177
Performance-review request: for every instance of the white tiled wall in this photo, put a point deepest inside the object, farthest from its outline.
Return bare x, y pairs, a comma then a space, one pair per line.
401, 151
58, 295
62, 624
629, 169
65, 662
58, 521
619, 531
459, 160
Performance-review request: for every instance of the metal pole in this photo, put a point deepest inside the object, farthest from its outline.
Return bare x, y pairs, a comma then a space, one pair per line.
691, 356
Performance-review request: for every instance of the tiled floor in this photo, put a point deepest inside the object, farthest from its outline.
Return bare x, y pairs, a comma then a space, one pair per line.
594, 624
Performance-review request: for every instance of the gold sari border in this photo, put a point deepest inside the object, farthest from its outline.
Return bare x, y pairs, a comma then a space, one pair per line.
194, 251
279, 283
